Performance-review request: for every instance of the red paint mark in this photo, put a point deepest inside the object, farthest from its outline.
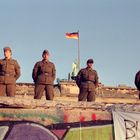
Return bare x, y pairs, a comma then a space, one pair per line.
82, 118
59, 133
65, 118
93, 116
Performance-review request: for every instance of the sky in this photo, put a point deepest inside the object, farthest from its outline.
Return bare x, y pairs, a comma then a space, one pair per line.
109, 33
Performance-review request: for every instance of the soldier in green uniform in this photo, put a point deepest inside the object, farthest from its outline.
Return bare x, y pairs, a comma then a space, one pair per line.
9, 73
87, 81
44, 74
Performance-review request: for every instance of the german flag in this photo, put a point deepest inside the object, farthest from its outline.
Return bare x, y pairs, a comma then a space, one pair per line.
74, 35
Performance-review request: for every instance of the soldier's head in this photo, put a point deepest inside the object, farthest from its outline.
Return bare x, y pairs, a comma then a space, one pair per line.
45, 55
90, 63
7, 52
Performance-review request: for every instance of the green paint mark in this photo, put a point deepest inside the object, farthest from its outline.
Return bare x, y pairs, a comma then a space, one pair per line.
42, 116
90, 133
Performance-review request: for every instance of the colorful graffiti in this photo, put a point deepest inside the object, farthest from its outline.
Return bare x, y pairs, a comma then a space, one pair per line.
27, 130
54, 121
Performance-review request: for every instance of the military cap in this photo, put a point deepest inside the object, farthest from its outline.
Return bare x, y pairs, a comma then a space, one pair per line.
90, 61
45, 51
7, 49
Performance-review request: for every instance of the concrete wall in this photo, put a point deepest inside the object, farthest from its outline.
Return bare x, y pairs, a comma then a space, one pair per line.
25, 118
71, 89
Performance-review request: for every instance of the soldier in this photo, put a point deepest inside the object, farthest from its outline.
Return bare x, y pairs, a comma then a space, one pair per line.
87, 81
9, 73
137, 81
44, 74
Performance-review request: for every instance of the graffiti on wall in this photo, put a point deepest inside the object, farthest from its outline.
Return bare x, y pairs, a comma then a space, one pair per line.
22, 130
55, 123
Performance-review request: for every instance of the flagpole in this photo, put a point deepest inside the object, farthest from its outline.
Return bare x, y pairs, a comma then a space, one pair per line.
78, 51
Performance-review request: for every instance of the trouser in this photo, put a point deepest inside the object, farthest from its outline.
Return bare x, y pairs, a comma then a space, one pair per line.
39, 89
7, 89
86, 95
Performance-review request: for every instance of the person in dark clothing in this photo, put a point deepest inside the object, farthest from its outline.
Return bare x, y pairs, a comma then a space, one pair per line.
9, 73
137, 81
44, 74
87, 81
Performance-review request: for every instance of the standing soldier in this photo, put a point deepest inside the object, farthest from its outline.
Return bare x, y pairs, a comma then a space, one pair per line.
137, 82
44, 74
9, 73
87, 81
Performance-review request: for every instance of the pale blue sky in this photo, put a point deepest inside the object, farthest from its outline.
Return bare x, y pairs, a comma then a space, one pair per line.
109, 33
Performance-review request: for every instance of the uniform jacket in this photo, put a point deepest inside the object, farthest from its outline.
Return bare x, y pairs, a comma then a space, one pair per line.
87, 78
137, 80
9, 71
44, 72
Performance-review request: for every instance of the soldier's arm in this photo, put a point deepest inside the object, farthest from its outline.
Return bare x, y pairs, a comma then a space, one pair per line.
78, 79
34, 72
137, 80
0, 61
96, 80
17, 70
54, 72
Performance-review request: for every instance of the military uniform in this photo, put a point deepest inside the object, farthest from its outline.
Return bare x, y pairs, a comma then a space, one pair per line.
87, 81
9, 73
44, 74
137, 81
